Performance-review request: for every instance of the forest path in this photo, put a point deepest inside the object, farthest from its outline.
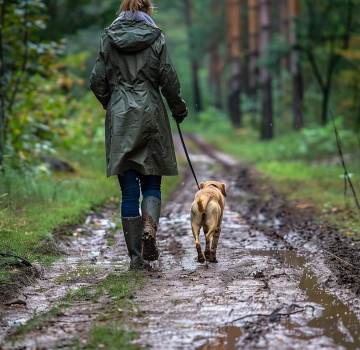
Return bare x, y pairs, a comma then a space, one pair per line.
273, 287
267, 290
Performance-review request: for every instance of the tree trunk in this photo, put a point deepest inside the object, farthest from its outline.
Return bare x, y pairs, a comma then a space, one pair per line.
334, 58
245, 47
324, 105
215, 64
284, 29
265, 76
253, 18
2, 85
294, 8
234, 58
194, 62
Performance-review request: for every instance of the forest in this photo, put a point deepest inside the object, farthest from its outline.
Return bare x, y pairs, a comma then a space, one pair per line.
265, 80
274, 66
273, 83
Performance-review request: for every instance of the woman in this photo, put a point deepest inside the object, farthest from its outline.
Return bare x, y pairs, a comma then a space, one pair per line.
132, 66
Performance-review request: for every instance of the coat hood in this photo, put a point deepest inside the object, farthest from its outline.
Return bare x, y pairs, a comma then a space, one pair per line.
132, 35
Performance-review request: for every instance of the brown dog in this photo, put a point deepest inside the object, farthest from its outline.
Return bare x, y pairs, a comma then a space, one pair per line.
207, 211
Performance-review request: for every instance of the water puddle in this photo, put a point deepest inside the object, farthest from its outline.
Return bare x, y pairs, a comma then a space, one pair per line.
226, 343
337, 321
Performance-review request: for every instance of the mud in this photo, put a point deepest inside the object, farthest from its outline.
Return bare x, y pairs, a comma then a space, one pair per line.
281, 281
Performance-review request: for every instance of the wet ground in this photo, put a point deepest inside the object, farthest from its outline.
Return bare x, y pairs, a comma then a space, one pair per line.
282, 282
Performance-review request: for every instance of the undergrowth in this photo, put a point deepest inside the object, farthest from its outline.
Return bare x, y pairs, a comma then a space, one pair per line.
304, 165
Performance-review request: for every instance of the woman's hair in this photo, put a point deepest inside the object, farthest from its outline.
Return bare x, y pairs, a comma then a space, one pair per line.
136, 6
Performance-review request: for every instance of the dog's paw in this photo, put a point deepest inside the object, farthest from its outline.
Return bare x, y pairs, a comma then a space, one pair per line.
201, 259
213, 259
207, 254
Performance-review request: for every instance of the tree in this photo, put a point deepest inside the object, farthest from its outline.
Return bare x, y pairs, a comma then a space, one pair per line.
284, 29
294, 6
194, 60
234, 52
2, 91
322, 39
265, 76
253, 10
215, 63
25, 62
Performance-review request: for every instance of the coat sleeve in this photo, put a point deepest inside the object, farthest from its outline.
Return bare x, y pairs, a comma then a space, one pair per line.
170, 84
98, 81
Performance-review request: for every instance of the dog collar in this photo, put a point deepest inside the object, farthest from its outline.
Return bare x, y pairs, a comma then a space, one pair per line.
213, 185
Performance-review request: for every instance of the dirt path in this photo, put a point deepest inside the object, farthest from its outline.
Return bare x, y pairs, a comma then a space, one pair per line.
276, 285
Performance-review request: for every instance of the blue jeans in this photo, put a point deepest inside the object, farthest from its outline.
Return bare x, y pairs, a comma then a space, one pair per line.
130, 183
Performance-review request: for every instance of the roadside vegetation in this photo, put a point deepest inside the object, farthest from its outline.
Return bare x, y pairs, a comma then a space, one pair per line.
305, 165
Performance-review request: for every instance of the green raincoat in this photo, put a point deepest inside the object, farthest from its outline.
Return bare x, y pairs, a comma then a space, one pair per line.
132, 67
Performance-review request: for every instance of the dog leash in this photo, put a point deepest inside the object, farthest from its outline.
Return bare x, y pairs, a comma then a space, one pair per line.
187, 154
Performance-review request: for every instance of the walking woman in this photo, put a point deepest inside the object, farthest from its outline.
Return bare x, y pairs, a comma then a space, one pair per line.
131, 69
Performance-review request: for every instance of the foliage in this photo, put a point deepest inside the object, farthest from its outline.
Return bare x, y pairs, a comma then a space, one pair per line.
38, 84
304, 166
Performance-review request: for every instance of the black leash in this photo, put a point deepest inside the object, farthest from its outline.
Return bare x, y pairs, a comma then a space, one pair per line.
187, 155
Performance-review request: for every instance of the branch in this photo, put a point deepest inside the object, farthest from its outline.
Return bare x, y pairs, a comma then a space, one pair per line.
24, 62
314, 67
273, 316
342, 260
23, 260
346, 174
2, 111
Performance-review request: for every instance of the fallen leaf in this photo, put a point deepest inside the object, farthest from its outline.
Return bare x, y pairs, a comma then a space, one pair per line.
349, 233
302, 206
97, 223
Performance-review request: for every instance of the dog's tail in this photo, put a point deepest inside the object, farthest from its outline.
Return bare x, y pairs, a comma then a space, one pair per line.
202, 202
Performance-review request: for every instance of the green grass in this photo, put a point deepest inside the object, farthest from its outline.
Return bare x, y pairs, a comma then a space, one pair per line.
109, 328
36, 322
33, 202
304, 166
110, 336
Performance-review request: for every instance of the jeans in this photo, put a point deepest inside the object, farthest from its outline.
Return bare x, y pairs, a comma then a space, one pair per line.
130, 183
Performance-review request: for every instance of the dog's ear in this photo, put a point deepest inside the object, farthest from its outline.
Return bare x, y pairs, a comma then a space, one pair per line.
202, 185
223, 190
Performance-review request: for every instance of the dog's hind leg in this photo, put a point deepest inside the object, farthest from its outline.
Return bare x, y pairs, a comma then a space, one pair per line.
196, 232
210, 241
207, 240
214, 245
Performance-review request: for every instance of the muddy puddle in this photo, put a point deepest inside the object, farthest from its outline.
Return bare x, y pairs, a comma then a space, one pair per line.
337, 320
227, 343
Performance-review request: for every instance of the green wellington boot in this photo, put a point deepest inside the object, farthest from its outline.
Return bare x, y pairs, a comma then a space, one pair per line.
132, 228
150, 209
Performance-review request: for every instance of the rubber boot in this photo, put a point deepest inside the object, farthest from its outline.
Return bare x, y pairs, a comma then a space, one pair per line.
132, 228
150, 209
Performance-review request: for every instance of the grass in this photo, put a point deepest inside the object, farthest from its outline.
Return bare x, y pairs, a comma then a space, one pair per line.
120, 287
33, 202
304, 166
110, 336
36, 322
